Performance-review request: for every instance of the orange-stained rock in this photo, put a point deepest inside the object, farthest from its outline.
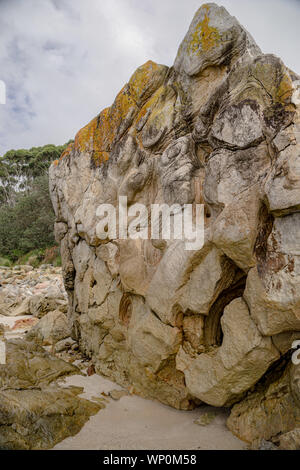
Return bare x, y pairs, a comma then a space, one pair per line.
220, 127
98, 137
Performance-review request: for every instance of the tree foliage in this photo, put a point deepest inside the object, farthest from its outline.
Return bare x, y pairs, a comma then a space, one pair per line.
19, 169
26, 213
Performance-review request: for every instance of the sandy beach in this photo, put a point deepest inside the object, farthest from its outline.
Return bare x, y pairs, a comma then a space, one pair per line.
134, 423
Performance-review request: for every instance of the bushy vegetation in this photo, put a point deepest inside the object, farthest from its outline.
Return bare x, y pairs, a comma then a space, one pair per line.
26, 213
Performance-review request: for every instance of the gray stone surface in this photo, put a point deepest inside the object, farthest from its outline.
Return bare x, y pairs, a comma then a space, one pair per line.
219, 128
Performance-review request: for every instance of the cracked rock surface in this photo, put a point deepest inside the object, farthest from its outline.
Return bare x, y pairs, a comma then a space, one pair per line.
35, 412
219, 128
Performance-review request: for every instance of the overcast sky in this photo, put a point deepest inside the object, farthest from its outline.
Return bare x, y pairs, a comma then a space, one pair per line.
65, 60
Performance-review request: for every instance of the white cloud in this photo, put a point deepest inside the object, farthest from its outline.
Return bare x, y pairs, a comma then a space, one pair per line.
65, 60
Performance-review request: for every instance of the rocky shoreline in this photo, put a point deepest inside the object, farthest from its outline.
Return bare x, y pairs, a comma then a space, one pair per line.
35, 411
215, 324
211, 326
49, 391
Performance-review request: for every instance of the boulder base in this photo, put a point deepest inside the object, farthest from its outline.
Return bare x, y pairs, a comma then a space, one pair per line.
219, 128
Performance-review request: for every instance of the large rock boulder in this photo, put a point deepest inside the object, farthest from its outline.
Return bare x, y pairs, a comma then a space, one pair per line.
28, 291
51, 329
219, 128
272, 412
38, 419
35, 412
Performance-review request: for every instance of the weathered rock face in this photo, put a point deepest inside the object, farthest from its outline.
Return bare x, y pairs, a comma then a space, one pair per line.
51, 329
28, 291
271, 412
35, 412
219, 128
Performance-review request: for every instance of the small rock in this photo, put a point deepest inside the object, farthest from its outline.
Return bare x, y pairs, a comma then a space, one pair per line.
22, 309
101, 401
64, 344
52, 328
267, 445
43, 267
290, 440
91, 370
206, 418
117, 394
25, 323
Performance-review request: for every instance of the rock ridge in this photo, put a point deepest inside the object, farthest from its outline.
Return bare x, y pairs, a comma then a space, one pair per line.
220, 128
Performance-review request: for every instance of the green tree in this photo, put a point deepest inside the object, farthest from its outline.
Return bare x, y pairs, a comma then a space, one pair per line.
19, 168
26, 213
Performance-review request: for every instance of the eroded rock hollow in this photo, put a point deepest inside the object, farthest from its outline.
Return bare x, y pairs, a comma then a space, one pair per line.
220, 128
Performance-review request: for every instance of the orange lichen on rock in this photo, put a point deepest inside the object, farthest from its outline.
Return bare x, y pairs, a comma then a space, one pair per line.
285, 90
84, 139
98, 136
204, 35
150, 104
273, 76
146, 80
122, 106
67, 151
91, 138
100, 157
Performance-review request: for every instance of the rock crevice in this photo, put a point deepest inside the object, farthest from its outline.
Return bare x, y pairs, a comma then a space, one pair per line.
219, 128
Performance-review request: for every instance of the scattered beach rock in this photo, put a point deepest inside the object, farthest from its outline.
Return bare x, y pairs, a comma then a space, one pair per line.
26, 323
39, 419
90, 370
36, 413
28, 291
207, 324
270, 411
206, 418
266, 445
212, 324
50, 329
290, 440
64, 344
117, 394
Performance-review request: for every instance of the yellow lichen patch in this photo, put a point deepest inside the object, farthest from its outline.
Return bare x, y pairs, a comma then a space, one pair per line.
164, 107
103, 134
84, 140
146, 78
150, 104
100, 157
98, 136
161, 116
285, 90
204, 35
272, 75
123, 104
92, 138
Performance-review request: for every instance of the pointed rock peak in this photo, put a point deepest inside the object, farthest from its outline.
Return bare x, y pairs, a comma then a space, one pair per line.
214, 38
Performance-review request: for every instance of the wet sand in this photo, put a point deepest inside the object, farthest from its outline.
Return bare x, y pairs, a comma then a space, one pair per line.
135, 423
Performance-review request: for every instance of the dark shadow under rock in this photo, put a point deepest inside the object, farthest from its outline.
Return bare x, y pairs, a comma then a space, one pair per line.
35, 412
